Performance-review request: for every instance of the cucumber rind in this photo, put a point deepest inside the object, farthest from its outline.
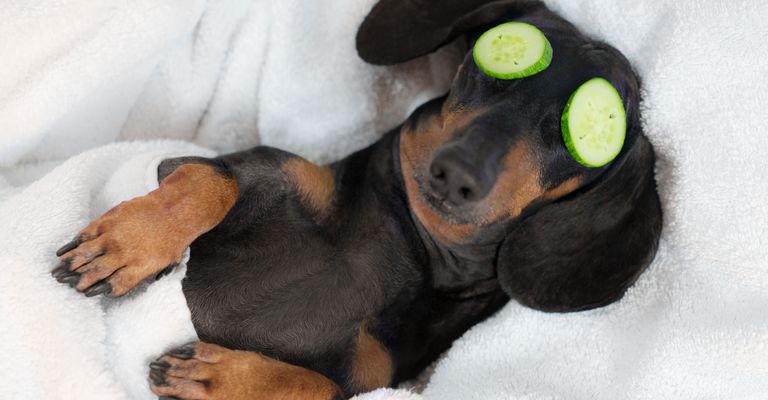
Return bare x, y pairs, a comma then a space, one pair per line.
543, 62
567, 134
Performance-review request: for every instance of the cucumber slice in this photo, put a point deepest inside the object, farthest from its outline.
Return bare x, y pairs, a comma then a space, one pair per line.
594, 123
512, 50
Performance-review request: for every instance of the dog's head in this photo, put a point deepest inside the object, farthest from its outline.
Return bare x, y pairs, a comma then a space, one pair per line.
487, 166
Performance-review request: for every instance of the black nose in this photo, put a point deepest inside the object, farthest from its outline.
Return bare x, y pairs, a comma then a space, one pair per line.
458, 182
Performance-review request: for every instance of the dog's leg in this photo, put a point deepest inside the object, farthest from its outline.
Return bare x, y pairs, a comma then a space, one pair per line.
146, 235
210, 372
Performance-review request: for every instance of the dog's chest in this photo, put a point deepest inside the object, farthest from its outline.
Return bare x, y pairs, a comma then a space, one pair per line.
292, 290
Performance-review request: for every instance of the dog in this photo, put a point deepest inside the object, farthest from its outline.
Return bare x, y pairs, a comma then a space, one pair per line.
319, 282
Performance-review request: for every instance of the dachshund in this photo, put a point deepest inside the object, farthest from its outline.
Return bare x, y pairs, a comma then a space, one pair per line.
319, 282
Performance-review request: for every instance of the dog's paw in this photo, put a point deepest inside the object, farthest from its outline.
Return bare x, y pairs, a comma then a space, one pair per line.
195, 371
210, 372
114, 253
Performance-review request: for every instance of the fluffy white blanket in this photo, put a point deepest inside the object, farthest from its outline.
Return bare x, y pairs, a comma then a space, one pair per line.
77, 74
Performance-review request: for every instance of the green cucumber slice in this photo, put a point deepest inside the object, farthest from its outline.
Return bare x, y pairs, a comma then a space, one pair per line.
594, 123
512, 50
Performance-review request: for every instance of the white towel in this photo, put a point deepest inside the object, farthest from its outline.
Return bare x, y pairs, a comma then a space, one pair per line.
694, 326
56, 343
227, 74
230, 74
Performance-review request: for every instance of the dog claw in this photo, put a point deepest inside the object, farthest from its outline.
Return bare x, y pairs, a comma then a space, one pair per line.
97, 289
157, 370
165, 271
157, 378
69, 278
61, 269
184, 352
67, 247
159, 365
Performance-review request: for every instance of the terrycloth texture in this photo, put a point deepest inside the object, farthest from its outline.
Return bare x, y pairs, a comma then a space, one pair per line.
694, 326
58, 344
227, 74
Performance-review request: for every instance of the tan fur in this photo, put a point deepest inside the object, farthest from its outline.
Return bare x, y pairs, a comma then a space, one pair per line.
142, 236
315, 183
417, 148
217, 373
516, 187
372, 364
564, 188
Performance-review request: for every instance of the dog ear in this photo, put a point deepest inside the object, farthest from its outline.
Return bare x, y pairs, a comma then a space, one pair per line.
400, 30
583, 251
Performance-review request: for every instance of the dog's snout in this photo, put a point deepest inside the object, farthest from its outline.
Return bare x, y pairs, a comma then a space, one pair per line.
456, 181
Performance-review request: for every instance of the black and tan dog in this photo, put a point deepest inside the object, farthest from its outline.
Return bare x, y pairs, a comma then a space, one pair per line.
316, 282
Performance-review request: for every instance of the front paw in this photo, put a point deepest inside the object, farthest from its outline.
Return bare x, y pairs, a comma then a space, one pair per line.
117, 251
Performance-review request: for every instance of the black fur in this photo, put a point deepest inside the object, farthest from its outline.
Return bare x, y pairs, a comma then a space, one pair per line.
274, 279
585, 250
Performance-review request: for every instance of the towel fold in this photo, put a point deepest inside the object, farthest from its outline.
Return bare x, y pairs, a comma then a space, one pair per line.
231, 74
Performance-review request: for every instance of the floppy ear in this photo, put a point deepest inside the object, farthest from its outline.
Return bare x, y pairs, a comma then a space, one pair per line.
399, 30
586, 249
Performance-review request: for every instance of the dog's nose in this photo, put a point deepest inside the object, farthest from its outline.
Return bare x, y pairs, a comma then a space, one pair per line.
456, 181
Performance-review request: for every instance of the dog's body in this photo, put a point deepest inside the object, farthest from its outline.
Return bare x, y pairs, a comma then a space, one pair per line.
303, 283
364, 271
